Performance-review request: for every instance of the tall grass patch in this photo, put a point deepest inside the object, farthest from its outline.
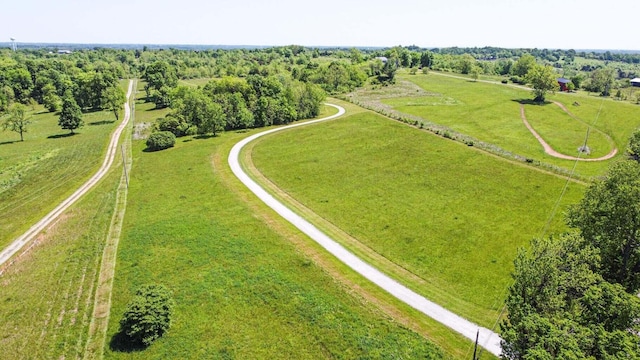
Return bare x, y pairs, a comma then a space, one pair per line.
47, 293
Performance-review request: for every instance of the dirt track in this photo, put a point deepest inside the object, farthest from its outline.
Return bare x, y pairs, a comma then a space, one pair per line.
487, 338
25, 238
549, 150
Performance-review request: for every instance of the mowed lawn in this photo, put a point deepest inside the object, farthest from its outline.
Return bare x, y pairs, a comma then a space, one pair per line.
491, 113
448, 213
242, 291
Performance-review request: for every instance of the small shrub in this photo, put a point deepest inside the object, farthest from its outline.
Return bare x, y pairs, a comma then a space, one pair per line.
413, 71
148, 315
505, 81
161, 140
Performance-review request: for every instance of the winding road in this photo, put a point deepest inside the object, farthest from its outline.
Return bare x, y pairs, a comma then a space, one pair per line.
487, 338
25, 238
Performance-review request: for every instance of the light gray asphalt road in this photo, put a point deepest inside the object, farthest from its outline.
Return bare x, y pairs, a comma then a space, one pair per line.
487, 338
25, 238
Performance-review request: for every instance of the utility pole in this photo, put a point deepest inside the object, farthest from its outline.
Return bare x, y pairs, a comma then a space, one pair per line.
124, 166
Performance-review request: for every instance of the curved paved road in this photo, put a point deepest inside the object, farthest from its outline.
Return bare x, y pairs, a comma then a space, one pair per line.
487, 339
25, 238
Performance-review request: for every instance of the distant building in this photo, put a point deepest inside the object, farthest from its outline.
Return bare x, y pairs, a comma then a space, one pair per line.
564, 84
383, 59
635, 82
64, 52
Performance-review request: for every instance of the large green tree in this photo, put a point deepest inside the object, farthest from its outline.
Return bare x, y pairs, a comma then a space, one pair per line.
161, 78
50, 98
522, 66
600, 81
114, 99
17, 121
608, 217
71, 115
543, 79
559, 307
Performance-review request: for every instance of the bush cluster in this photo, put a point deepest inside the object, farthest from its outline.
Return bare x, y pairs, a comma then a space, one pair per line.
161, 140
148, 315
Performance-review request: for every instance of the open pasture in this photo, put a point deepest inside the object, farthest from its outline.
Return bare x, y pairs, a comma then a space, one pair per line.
450, 214
491, 113
242, 289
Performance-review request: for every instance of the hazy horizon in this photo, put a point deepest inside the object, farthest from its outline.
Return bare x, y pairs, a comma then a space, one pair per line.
543, 24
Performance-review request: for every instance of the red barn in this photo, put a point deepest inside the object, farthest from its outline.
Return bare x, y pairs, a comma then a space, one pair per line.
564, 84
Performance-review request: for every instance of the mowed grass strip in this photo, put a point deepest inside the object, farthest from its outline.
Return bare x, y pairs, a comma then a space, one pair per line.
37, 174
448, 213
242, 291
47, 293
490, 113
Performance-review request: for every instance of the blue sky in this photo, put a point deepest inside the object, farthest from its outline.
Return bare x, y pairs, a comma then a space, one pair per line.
576, 24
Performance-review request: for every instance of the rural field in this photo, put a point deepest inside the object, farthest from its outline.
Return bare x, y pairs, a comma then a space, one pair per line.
244, 285
431, 177
37, 174
449, 214
491, 113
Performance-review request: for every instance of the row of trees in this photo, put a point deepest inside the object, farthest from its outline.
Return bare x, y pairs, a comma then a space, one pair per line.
574, 296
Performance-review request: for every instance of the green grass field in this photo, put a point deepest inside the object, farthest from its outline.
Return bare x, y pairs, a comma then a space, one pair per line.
47, 294
490, 113
448, 213
37, 174
242, 289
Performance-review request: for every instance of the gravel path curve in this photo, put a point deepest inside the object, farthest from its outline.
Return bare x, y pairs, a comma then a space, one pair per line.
25, 238
549, 150
487, 338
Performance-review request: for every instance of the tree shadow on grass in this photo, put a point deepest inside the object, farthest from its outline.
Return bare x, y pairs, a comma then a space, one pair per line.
204, 137
102, 122
531, 102
120, 342
9, 142
59, 136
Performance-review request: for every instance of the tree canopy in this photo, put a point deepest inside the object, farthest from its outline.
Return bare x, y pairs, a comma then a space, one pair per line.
608, 217
148, 315
71, 115
17, 121
543, 79
559, 307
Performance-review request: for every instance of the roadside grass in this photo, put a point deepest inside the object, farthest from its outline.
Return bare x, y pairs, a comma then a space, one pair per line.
447, 213
37, 174
490, 113
47, 293
242, 289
